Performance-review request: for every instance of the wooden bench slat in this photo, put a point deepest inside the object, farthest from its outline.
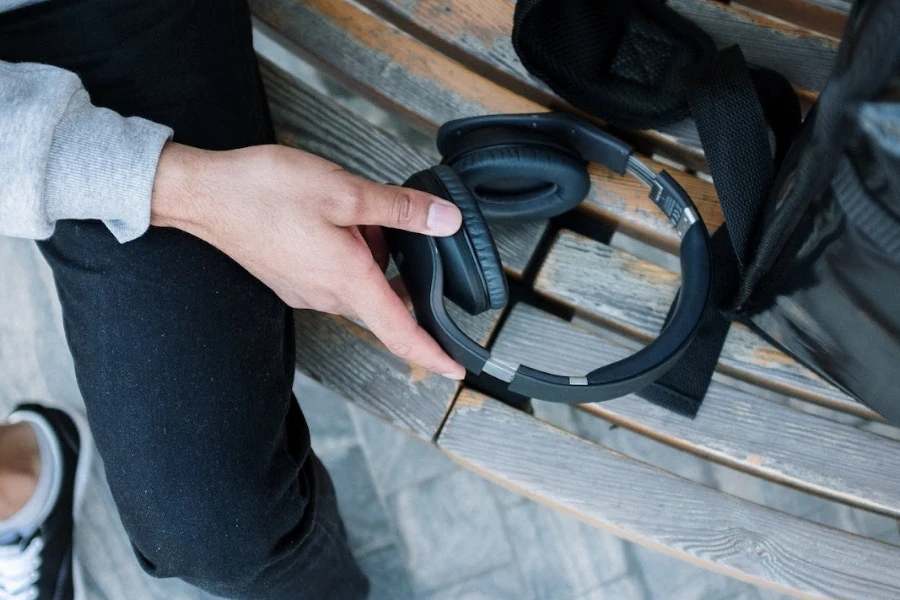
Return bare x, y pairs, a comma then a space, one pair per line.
305, 119
657, 509
633, 296
350, 360
392, 66
804, 57
733, 427
396, 70
808, 14
477, 33
517, 243
842, 6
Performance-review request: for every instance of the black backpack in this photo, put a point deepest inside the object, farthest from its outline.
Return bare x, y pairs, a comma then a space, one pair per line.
809, 256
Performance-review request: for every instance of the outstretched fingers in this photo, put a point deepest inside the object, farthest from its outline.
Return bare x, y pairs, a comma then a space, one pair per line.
388, 317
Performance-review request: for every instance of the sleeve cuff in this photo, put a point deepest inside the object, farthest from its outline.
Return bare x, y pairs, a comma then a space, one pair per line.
102, 165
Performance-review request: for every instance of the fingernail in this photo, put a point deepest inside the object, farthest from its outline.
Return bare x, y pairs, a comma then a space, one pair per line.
443, 218
454, 376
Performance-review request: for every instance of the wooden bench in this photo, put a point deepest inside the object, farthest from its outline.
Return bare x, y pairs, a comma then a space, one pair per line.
586, 301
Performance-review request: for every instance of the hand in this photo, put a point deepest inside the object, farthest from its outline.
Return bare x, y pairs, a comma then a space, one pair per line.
307, 229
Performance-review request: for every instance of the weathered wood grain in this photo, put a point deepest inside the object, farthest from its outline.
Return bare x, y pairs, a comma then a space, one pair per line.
633, 296
656, 509
811, 15
412, 79
517, 243
389, 65
305, 119
733, 427
479, 327
350, 360
477, 33
842, 6
803, 56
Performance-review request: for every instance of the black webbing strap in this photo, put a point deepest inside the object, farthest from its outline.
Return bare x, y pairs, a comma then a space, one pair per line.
614, 59
735, 136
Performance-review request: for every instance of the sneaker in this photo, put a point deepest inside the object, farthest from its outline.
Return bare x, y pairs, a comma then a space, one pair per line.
39, 563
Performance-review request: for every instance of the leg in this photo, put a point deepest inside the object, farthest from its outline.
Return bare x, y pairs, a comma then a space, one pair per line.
185, 361
20, 465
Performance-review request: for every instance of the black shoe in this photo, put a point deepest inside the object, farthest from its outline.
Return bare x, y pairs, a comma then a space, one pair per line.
42, 566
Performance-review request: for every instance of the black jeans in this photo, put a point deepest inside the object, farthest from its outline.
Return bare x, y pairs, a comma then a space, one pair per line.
185, 360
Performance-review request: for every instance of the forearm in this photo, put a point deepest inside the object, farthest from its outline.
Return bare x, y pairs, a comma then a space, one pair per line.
64, 158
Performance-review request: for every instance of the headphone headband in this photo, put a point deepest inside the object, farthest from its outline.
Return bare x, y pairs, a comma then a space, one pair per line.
594, 145
419, 260
591, 142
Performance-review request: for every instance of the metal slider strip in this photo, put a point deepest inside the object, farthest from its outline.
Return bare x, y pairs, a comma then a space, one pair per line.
645, 175
500, 369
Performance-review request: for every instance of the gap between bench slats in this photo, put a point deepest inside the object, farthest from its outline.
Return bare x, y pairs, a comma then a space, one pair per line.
733, 427
633, 296
411, 79
664, 512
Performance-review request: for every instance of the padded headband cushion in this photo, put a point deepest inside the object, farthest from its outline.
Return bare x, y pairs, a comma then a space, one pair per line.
473, 274
519, 174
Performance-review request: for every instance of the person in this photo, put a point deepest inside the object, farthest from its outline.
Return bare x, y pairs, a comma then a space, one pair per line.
137, 146
45, 458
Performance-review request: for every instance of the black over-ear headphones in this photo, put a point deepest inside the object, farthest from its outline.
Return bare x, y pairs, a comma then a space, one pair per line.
530, 167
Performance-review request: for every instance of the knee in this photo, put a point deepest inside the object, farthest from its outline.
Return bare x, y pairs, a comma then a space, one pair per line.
234, 543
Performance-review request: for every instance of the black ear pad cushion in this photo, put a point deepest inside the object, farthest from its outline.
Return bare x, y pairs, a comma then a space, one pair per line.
517, 174
473, 274
479, 238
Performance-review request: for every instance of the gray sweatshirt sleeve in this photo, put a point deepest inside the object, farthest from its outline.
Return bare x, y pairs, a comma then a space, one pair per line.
61, 157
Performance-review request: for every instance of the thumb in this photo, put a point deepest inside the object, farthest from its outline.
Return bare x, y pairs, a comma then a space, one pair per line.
397, 207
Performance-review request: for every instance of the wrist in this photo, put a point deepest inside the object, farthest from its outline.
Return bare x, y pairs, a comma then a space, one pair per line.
175, 201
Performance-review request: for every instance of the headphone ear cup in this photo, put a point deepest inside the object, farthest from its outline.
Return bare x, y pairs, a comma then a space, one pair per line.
473, 274
517, 174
